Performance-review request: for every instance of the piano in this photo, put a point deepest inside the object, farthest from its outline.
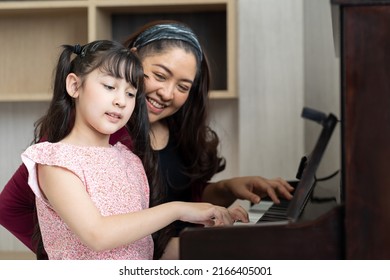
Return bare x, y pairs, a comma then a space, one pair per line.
313, 198
357, 226
321, 220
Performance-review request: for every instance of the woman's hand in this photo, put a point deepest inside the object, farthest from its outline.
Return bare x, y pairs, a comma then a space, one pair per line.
252, 188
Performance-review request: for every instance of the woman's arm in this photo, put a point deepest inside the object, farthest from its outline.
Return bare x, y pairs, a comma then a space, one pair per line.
251, 188
98, 232
17, 207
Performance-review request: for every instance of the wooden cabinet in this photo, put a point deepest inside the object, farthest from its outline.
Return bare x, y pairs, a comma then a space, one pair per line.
33, 31
365, 60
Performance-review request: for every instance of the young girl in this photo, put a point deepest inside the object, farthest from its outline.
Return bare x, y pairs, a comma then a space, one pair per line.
92, 198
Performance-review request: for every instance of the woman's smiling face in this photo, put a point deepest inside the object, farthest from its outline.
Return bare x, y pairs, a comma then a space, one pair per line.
168, 79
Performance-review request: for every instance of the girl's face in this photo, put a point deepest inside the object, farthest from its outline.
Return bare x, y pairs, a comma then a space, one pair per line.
104, 104
168, 79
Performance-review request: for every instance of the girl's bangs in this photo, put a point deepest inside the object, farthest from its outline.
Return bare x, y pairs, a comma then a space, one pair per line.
121, 65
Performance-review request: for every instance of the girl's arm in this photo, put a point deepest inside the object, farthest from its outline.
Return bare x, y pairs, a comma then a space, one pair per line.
69, 198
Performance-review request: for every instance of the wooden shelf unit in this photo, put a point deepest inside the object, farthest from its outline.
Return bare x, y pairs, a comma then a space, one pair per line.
33, 31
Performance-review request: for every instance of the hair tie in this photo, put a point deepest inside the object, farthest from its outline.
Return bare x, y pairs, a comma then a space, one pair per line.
77, 49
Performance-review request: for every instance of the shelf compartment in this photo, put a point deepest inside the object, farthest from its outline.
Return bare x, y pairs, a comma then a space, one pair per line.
33, 43
212, 21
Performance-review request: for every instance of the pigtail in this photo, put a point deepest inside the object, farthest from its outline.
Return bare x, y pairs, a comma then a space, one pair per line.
58, 121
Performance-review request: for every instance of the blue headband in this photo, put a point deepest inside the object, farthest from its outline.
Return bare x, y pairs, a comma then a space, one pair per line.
172, 31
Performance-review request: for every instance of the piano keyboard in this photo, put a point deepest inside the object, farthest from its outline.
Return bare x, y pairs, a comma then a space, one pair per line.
267, 211
255, 212
277, 212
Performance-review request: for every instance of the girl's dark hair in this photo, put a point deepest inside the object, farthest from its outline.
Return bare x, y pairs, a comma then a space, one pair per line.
196, 141
114, 59
109, 57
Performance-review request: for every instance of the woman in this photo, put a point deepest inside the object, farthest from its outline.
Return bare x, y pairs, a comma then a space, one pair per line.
177, 87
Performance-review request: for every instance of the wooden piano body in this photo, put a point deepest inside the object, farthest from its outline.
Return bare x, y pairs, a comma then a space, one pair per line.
359, 226
322, 219
273, 242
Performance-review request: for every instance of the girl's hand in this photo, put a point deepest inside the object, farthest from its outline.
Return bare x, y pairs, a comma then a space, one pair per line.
207, 214
238, 213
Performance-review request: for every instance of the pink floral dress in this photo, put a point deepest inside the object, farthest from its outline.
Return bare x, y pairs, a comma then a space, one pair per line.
114, 178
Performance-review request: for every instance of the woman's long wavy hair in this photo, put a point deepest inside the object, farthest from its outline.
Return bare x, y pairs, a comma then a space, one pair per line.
116, 60
196, 141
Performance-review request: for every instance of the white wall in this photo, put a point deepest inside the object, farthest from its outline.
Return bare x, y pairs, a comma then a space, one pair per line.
271, 87
322, 76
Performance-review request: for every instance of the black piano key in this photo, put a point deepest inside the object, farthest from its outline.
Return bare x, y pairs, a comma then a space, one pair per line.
277, 212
